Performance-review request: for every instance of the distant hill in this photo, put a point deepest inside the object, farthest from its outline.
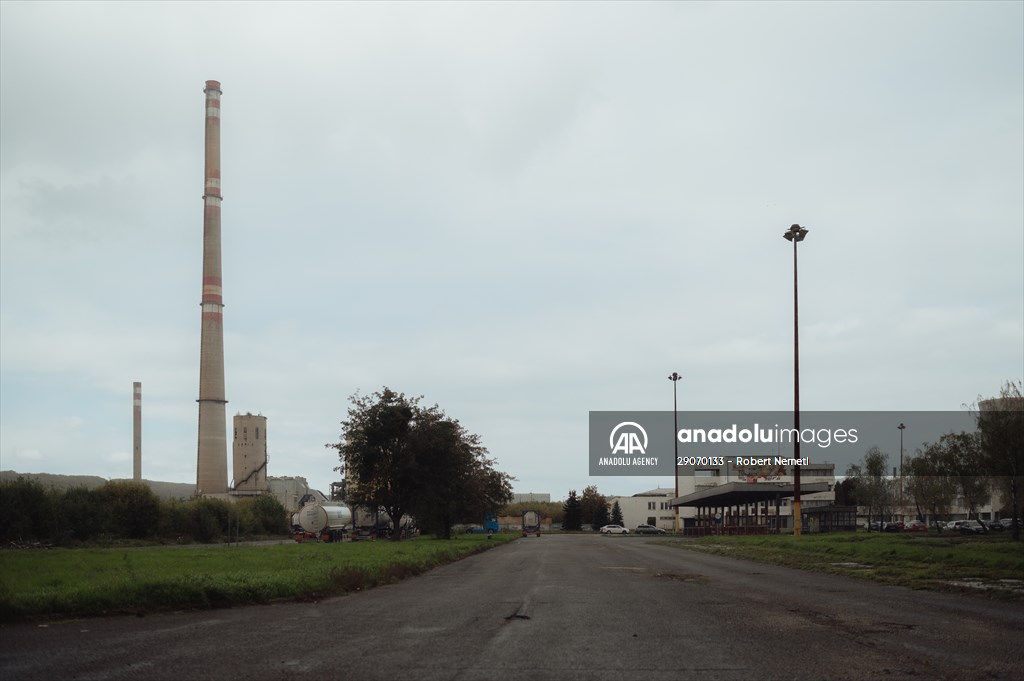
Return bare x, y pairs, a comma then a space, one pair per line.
164, 490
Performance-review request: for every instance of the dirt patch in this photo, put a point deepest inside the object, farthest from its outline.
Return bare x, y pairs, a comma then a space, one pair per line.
683, 577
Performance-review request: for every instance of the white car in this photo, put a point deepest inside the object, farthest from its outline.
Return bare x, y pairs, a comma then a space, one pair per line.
614, 529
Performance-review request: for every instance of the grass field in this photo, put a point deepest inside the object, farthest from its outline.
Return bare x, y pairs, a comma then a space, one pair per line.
992, 565
44, 583
77, 582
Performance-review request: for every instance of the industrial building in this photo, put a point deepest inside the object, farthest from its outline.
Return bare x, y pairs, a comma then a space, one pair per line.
730, 496
293, 491
249, 453
646, 508
528, 497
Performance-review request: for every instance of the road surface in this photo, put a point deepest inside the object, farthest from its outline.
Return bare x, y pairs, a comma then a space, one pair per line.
558, 607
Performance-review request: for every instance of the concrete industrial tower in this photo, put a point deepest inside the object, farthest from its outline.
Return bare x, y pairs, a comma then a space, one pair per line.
212, 463
250, 454
137, 431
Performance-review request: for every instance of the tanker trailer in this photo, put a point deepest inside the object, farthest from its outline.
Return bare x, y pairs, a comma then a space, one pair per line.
531, 523
325, 522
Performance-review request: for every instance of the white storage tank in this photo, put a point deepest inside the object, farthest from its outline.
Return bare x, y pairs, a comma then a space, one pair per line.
316, 518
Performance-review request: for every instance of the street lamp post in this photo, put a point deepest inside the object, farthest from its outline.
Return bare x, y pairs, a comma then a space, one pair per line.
901, 428
796, 234
675, 439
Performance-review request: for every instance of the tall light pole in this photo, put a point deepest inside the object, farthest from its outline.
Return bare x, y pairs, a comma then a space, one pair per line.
901, 428
796, 234
675, 439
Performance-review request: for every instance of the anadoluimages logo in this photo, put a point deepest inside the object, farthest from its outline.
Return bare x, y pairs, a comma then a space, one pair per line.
628, 441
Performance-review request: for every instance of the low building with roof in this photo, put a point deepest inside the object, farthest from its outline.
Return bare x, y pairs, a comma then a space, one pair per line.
646, 508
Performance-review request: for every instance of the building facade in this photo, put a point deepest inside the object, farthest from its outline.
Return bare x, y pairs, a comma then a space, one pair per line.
693, 480
528, 497
646, 508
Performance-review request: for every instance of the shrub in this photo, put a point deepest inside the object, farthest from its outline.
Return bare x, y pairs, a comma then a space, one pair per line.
26, 511
81, 515
133, 510
208, 519
269, 515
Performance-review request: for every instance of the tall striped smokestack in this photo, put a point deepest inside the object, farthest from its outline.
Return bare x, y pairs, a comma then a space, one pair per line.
137, 431
212, 461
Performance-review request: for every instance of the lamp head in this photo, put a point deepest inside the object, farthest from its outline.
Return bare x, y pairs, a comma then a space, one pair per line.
795, 233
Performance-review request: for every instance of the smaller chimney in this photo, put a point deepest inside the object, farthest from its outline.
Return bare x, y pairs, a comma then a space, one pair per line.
137, 431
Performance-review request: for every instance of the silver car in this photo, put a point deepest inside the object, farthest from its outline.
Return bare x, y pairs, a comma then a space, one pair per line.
614, 529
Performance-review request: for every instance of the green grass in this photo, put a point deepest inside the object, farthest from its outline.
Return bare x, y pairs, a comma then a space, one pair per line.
936, 562
41, 583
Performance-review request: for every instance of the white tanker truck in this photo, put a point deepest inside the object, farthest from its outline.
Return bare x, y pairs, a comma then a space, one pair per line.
322, 522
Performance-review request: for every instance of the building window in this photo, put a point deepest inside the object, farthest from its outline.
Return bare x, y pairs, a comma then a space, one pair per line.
257, 433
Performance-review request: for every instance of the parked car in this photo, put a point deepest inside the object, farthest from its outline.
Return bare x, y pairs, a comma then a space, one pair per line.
893, 527
915, 526
993, 525
614, 529
1007, 523
971, 527
649, 529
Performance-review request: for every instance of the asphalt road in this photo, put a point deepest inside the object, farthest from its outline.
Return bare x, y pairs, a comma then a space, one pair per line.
557, 607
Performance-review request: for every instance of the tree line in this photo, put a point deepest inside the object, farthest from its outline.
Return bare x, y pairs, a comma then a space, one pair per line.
591, 508
121, 510
965, 466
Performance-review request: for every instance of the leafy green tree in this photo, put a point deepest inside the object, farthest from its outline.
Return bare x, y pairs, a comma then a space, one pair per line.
443, 459
592, 503
457, 480
846, 492
271, 515
408, 459
377, 455
487, 489
600, 518
616, 514
573, 510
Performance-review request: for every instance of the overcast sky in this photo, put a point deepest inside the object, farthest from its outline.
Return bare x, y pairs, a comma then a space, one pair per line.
521, 211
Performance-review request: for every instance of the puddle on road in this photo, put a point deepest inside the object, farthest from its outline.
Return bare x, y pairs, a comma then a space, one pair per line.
1015, 586
854, 566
